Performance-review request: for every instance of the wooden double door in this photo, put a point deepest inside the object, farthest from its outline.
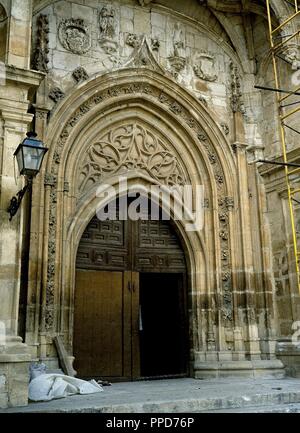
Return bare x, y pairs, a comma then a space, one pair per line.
130, 301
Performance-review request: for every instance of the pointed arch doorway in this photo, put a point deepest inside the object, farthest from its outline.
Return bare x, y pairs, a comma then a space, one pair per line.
130, 309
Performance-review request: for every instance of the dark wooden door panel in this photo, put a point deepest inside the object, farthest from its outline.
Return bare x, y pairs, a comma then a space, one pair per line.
98, 323
110, 259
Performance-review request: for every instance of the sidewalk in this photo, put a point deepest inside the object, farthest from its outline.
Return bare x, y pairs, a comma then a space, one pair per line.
181, 395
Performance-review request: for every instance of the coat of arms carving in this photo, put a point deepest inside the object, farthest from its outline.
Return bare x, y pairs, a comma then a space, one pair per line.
204, 66
74, 35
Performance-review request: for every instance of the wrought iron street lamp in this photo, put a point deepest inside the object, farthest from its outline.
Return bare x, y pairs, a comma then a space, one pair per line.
30, 154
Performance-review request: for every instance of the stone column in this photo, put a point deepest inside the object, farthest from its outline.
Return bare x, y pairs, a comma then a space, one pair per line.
14, 119
19, 37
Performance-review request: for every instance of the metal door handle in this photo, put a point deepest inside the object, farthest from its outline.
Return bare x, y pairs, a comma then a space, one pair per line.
129, 286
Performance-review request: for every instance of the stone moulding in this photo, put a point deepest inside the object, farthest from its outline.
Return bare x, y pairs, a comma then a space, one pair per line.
143, 89
74, 35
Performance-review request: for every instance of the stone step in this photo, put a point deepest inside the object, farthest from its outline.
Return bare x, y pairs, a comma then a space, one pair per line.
181, 396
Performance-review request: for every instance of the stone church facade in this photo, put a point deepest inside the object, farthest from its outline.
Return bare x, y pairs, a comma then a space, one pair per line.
164, 92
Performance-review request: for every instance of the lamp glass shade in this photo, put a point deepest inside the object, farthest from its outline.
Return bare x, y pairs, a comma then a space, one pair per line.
30, 154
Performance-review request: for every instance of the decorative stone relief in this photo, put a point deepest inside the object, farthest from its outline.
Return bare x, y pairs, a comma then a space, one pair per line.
107, 26
56, 94
80, 74
143, 56
74, 35
155, 44
204, 66
178, 59
133, 40
225, 128
237, 104
130, 147
203, 100
225, 205
292, 55
50, 181
41, 53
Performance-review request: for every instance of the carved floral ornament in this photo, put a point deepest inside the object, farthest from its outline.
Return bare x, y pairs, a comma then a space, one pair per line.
74, 35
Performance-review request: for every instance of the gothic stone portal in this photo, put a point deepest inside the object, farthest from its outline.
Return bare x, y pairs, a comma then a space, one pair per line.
130, 302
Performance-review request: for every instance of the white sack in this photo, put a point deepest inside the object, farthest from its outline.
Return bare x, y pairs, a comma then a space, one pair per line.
50, 386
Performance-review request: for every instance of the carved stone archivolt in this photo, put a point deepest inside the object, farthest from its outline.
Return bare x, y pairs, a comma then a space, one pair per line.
130, 147
41, 53
133, 146
107, 27
204, 66
74, 35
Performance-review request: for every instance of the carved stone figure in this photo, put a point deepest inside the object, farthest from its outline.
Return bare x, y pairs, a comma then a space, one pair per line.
292, 55
107, 22
80, 74
225, 128
56, 94
133, 40
40, 57
74, 35
107, 26
204, 66
155, 44
179, 46
177, 60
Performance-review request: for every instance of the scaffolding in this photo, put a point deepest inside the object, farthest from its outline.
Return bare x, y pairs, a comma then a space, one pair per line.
279, 40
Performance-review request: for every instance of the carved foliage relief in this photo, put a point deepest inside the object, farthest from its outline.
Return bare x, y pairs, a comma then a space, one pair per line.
41, 53
130, 147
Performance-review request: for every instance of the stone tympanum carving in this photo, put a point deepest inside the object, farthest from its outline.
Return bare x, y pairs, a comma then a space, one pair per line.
204, 66
74, 35
130, 147
107, 26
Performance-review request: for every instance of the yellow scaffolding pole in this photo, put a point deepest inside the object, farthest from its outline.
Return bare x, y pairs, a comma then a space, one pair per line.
282, 115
